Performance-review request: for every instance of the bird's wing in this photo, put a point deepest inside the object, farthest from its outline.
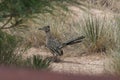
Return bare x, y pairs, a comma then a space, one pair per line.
53, 45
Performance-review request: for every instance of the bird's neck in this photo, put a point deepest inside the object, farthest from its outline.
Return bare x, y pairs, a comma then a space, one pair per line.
48, 35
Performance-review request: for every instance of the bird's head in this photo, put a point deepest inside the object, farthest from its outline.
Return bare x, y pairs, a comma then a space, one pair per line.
45, 28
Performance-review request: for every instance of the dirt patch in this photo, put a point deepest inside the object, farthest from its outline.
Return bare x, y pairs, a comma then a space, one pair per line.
91, 64
84, 65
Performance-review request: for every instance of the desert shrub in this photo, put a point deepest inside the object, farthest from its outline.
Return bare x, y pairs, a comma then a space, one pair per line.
94, 30
37, 62
8, 45
101, 33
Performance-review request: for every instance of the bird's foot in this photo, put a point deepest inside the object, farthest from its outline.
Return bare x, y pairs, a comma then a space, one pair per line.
55, 59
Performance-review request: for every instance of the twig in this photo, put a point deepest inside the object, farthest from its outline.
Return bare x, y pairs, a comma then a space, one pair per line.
14, 25
8, 15
6, 22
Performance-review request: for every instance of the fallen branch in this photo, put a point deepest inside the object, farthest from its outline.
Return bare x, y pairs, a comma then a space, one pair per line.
14, 25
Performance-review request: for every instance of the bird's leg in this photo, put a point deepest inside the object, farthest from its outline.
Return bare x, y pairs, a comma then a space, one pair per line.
54, 58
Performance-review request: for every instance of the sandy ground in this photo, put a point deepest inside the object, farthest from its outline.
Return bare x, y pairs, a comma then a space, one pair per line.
90, 64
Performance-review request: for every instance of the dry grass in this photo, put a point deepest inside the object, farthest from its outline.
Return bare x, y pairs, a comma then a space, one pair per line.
111, 5
114, 63
101, 31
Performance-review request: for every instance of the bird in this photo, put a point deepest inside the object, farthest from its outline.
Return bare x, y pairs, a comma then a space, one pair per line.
56, 46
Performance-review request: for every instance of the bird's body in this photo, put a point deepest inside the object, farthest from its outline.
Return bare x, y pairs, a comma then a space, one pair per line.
54, 45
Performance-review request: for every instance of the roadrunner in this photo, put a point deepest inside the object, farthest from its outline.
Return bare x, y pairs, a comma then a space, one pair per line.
54, 45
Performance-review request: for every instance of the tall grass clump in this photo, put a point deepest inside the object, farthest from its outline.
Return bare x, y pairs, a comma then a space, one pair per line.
94, 30
37, 62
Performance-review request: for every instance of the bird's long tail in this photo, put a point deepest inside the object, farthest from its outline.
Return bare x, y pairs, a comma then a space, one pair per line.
73, 41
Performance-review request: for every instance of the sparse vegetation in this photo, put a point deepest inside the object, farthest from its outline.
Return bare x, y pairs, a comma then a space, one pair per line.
94, 30
16, 17
37, 62
8, 49
102, 34
11, 53
114, 63
111, 5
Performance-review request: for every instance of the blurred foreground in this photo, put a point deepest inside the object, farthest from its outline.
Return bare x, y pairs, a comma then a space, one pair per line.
28, 74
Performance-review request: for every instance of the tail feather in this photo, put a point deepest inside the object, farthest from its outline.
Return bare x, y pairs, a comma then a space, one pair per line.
73, 41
